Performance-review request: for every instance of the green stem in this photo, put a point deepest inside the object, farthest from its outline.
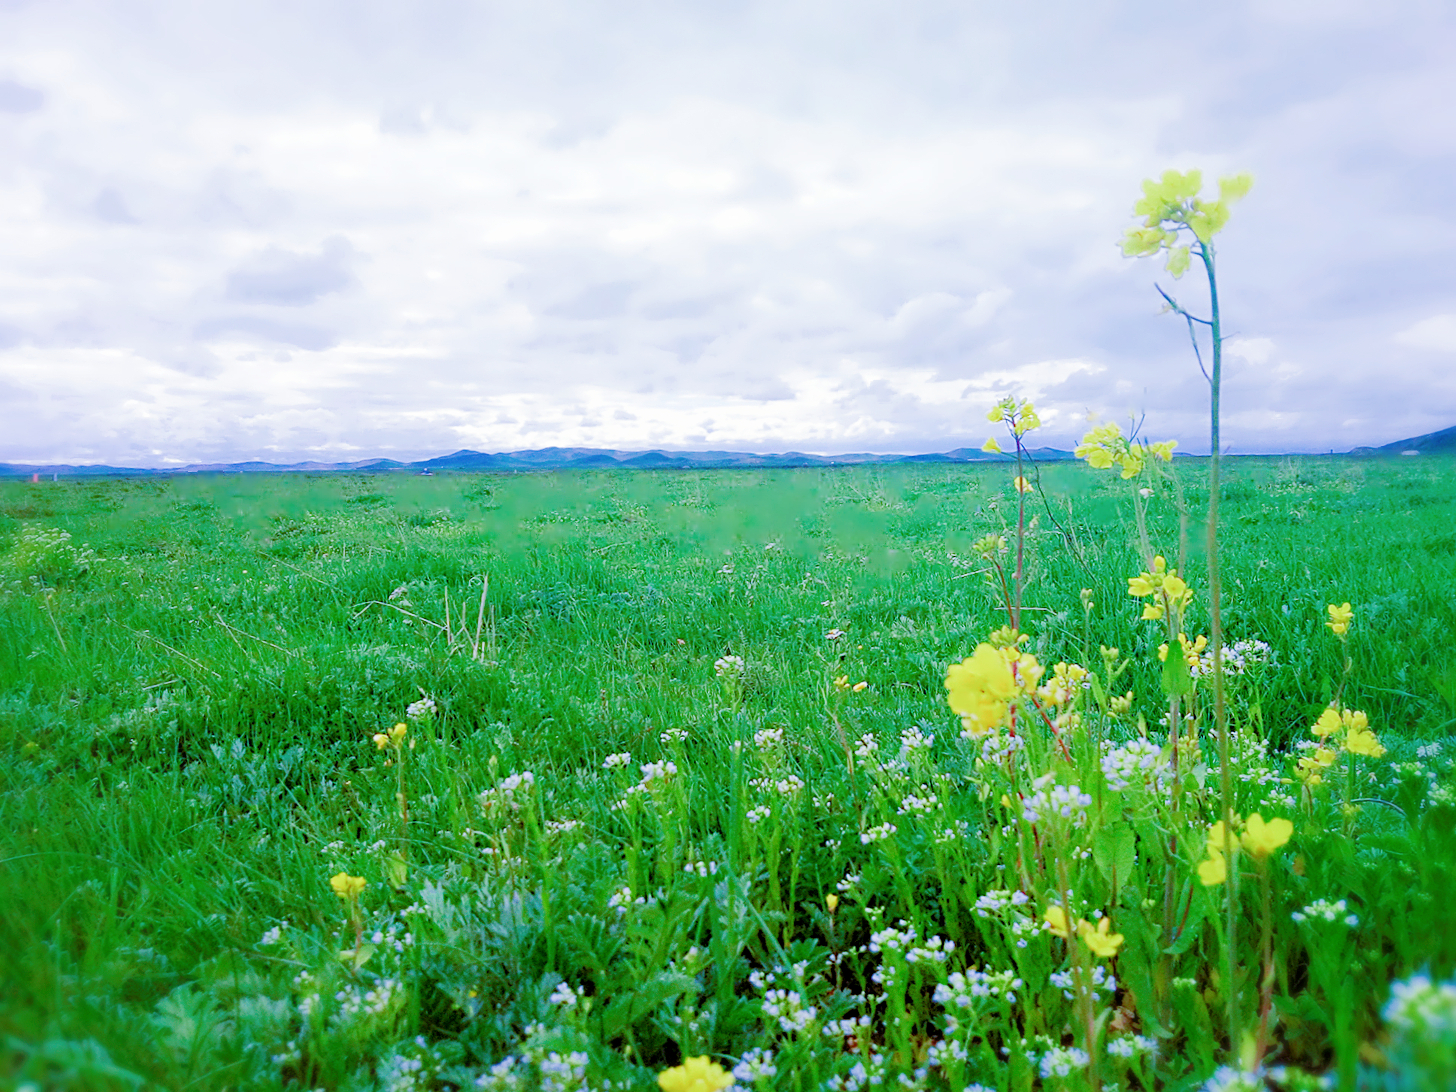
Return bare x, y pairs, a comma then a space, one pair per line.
1220, 711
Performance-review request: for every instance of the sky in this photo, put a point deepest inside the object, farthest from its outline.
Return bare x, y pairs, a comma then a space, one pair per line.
346, 229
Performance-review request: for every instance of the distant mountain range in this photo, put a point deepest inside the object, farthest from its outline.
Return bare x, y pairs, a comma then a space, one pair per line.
594, 458
546, 458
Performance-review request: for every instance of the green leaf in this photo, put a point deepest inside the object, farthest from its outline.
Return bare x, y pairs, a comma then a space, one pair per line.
1187, 930
1176, 677
626, 1009
395, 869
1114, 848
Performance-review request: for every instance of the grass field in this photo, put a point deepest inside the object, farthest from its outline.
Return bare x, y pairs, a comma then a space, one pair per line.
649, 813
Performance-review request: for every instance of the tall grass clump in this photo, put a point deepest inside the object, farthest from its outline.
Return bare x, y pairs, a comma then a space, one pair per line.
942, 778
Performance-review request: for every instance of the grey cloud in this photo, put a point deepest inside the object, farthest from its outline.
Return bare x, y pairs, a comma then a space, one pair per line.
110, 206
299, 335
600, 301
16, 98
292, 279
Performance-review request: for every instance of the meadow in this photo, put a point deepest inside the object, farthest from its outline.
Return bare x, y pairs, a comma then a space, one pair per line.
568, 781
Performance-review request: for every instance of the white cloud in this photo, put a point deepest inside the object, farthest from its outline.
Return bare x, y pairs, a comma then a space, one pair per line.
270, 228
1437, 333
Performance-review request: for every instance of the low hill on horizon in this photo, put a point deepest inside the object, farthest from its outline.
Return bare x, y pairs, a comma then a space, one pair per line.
566, 458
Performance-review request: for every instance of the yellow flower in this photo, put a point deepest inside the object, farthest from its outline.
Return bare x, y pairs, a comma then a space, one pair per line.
1213, 870
1311, 768
1261, 838
1340, 618
381, 740
1362, 741
1057, 923
347, 887
991, 445
831, 901
1327, 725
1022, 485
1066, 681
994, 413
857, 687
1164, 450
1103, 943
979, 689
695, 1075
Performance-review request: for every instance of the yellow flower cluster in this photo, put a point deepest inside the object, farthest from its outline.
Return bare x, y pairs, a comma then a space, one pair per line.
347, 887
1164, 584
695, 1075
1191, 649
1173, 199
1259, 839
1105, 447
395, 737
1019, 415
1349, 728
1100, 940
1066, 681
981, 687
1340, 618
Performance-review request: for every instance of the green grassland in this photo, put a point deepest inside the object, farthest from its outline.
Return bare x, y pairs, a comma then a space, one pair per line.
190, 683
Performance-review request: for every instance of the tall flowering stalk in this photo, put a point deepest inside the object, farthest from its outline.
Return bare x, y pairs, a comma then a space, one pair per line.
1170, 207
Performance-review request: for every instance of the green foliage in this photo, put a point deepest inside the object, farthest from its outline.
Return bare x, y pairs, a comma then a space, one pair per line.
187, 712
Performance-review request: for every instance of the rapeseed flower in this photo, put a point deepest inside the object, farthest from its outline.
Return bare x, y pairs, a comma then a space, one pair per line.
347, 887
980, 689
1163, 585
1057, 922
1103, 943
991, 445
695, 1075
1340, 618
1261, 838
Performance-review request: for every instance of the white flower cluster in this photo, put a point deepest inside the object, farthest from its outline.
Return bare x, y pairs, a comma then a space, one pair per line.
730, 668
394, 936
993, 903
617, 761
962, 990
1102, 982
418, 710
788, 1008
510, 794
755, 1065
1326, 911
960, 829
1238, 659
1424, 1007
914, 804
362, 1003
913, 739
1062, 1062
866, 746
891, 939
996, 748
758, 814
673, 735
765, 738
1048, 799
1228, 1079
567, 996
1137, 762
1129, 1047
621, 900
657, 771
934, 950
878, 834
701, 868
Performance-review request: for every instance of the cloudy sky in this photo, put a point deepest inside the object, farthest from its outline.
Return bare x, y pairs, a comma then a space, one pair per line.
289, 229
